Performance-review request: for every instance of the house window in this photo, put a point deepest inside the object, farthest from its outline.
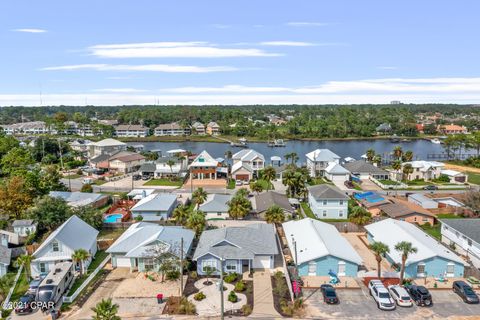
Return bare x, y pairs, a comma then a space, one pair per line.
341, 202
209, 264
420, 270
324, 213
43, 268
341, 268
312, 268
324, 202
469, 242
340, 213
415, 219
55, 246
450, 269
148, 264
231, 266
425, 219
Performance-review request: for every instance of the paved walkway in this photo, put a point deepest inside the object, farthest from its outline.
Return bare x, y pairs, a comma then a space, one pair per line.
263, 295
368, 184
368, 258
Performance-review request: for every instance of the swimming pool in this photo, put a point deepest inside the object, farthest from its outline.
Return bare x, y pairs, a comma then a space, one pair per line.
113, 218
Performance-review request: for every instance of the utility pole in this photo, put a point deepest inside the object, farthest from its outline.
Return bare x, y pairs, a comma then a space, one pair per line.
181, 267
221, 290
61, 155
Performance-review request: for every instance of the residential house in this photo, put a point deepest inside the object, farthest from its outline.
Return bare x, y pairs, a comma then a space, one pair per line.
215, 206
139, 247
213, 128
32, 127
407, 211
455, 176
198, 128
318, 160
155, 207
81, 199
139, 194
171, 129
131, 130
106, 147
319, 249
240, 249
125, 161
7, 237
163, 169
384, 128
328, 202
451, 129
424, 170
463, 236
204, 166
336, 173
246, 164
5, 259
422, 201
432, 258
266, 200
364, 170
24, 227
59, 246
80, 145
371, 201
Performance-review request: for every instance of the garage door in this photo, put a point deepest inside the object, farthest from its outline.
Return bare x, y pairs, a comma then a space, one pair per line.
123, 262
261, 262
243, 177
339, 178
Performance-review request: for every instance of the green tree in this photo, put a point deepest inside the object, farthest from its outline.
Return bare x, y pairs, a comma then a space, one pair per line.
408, 156
380, 249
180, 214
7, 143
50, 212
397, 152
16, 161
405, 248
370, 154
359, 216
256, 187
199, 196
80, 256
377, 159
25, 260
15, 198
87, 188
239, 207
106, 310
6, 282
269, 174
475, 141
90, 215
171, 163
275, 214
407, 171
196, 222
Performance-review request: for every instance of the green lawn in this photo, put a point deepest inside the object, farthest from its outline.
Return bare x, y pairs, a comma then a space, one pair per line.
99, 182
163, 182
473, 177
448, 216
110, 233
434, 230
389, 182
72, 176
309, 214
231, 184
356, 186
417, 183
99, 257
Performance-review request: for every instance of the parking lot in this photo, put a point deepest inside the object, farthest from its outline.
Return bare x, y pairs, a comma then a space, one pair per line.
357, 304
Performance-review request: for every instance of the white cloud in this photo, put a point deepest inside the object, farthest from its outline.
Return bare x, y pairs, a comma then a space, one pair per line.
174, 50
146, 67
120, 90
221, 26
287, 43
30, 30
306, 24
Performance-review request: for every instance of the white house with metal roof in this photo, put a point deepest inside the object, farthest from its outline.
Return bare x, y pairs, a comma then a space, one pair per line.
328, 202
318, 160
336, 173
139, 247
240, 248
432, 259
215, 206
81, 199
464, 236
106, 146
59, 246
155, 207
24, 227
455, 176
318, 248
426, 170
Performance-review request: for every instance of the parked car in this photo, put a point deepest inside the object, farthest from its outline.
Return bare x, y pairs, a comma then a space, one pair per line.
329, 294
420, 295
137, 177
430, 187
349, 184
24, 304
380, 295
238, 182
33, 286
146, 177
465, 292
400, 295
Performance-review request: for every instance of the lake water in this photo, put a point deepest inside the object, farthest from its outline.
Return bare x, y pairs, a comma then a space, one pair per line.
350, 148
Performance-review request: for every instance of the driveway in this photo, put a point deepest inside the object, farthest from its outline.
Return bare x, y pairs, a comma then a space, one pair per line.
263, 295
368, 185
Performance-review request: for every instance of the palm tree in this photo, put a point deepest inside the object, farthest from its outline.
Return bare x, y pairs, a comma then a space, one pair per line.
25, 260
405, 248
256, 187
171, 163
228, 154
80, 255
294, 157
106, 310
379, 249
268, 175
408, 156
397, 152
199, 196
377, 159
287, 156
275, 214
359, 216
196, 222
180, 214
407, 170
370, 154
238, 207
242, 193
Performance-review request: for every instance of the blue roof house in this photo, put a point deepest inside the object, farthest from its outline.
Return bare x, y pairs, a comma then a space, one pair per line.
155, 207
320, 249
432, 259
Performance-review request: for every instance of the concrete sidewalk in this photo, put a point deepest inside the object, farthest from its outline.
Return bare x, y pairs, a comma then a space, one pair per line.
263, 296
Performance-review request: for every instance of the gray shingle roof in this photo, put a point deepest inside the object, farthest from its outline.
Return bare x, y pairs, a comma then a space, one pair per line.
265, 200
216, 203
155, 202
469, 227
247, 155
148, 167
326, 191
361, 166
22, 223
76, 198
323, 155
253, 239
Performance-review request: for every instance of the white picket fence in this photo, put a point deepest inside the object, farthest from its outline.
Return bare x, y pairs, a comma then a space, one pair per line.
71, 298
400, 185
10, 292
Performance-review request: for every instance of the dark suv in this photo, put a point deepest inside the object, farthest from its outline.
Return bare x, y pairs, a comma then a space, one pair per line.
420, 295
465, 292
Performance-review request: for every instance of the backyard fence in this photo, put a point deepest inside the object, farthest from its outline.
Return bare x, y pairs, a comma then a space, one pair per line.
285, 268
71, 298
347, 227
10, 292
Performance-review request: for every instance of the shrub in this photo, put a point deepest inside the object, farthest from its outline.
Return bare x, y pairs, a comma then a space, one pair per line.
199, 296
139, 218
232, 297
172, 275
194, 275
186, 307
80, 172
240, 286
87, 188
246, 309
443, 178
230, 277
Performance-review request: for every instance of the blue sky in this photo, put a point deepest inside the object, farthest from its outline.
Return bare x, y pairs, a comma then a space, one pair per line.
238, 52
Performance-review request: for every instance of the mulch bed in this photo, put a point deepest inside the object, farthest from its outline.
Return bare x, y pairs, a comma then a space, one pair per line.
277, 298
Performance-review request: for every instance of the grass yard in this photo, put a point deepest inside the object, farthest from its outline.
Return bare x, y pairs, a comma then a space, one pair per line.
99, 182
231, 184
99, 257
417, 183
72, 176
163, 182
434, 230
389, 182
473, 177
448, 216
110, 233
309, 214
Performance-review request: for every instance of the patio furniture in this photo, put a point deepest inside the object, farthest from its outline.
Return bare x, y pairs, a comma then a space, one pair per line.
473, 280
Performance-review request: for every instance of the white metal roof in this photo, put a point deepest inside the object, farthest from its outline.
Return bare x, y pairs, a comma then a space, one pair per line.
204, 159
391, 232
335, 168
451, 173
324, 155
108, 142
316, 239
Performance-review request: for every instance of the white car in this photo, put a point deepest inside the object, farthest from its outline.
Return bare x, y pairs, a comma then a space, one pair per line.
238, 183
400, 295
380, 294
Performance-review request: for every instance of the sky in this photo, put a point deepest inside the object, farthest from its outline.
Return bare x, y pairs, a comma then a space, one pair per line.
198, 52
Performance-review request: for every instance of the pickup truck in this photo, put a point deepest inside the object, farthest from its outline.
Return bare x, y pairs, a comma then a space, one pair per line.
380, 295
